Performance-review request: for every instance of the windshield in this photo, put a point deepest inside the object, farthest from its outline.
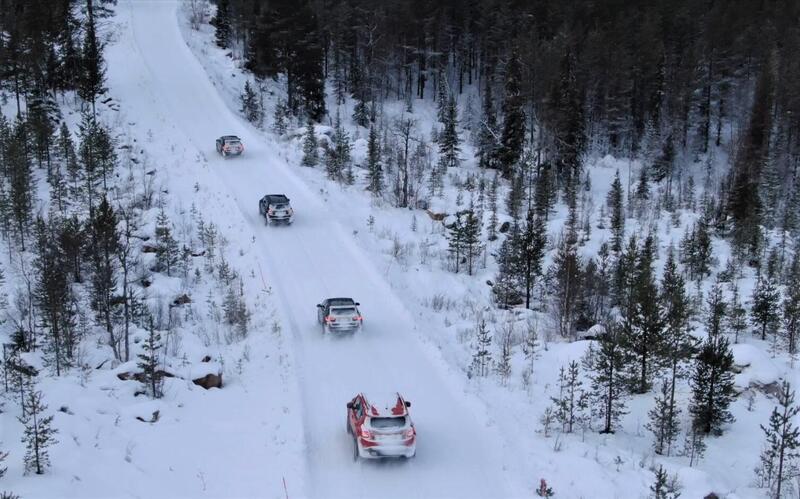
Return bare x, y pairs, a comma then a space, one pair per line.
343, 311
385, 423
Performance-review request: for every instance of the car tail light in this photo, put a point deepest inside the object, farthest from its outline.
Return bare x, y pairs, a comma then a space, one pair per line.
357, 318
226, 148
365, 433
270, 211
291, 211
330, 318
409, 433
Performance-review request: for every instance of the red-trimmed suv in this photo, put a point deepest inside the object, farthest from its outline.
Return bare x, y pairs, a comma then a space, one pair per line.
381, 430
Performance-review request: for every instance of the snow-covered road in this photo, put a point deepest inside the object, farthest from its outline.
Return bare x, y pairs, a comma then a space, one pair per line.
457, 455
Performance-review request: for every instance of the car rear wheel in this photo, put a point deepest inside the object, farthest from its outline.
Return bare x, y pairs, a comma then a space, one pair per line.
347, 424
355, 450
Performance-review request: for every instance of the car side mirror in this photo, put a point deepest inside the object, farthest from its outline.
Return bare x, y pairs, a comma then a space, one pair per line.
319, 305
349, 405
358, 304
408, 404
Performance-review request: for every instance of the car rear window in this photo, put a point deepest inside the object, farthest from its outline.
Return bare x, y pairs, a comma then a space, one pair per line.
386, 423
279, 206
343, 311
233, 142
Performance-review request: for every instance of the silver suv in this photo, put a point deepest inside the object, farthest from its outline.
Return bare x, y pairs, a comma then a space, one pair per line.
339, 315
229, 145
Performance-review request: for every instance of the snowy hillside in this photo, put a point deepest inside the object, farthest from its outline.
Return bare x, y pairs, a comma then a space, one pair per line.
506, 395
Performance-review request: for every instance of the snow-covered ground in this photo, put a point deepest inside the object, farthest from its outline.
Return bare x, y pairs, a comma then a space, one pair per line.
279, 421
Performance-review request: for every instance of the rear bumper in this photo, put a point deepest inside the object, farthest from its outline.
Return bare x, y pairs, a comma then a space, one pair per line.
343, 328
281, 219
382, 450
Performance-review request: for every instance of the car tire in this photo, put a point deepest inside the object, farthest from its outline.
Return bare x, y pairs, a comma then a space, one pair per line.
347, 424
355, 450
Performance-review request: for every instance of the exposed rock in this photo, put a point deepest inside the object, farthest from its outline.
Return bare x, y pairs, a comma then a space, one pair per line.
739, 368
504, 227
149, 248
126, 376
769, 389
436, 216
156, 415
181, 300
209, 381
207, 358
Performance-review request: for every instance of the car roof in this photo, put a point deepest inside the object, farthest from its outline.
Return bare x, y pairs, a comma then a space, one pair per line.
340, 301
230, 137
278, 198
385, 405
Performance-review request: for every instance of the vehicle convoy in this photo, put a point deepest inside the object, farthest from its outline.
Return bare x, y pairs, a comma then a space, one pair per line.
230, 145
381, 431
276, 209
339, 315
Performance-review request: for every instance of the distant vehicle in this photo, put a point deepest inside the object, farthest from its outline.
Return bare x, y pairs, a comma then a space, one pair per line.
275, 208
339, 315
230, 145
381, 431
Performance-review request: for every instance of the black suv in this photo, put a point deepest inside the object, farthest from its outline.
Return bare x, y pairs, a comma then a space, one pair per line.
275, 208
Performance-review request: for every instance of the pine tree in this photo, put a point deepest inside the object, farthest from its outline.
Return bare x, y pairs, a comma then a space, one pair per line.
471, 239
566, 274
19, 172
492, 200
104, 243
222, 24
512, 139
52, 294
712, 386
92, 65
764, 312
616, 211
39, 434
374, 167
679, 345
310, 146
664, 419
694, 445
503, 367
606, 366
337, 159
442, 100
642, 192
737, 315
791, 306
251, 105
716, 311
533, 241
456, 239
481, 356
486, 143
642, 322
665, 487
507, 286
279, 118
149, 360
448, 141
572, 401
779, 458
167, 250
624, 276
530, 342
